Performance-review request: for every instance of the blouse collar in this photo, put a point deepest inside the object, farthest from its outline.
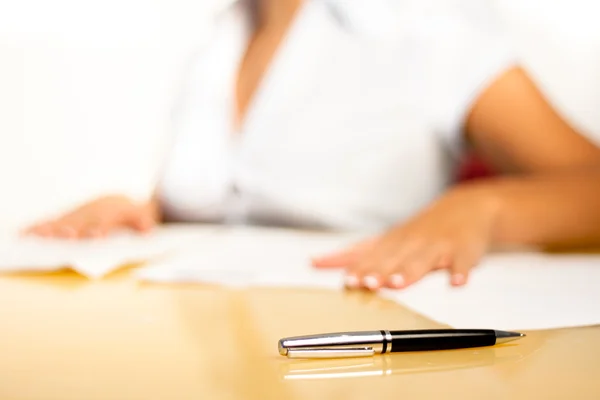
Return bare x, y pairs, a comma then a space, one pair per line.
358, 16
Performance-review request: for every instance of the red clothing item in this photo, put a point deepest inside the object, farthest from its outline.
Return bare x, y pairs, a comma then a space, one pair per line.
473, 168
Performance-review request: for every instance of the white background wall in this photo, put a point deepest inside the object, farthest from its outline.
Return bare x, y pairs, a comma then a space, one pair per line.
86, 88
560, 44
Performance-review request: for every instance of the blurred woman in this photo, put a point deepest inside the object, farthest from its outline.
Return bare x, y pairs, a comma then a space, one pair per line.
353, 115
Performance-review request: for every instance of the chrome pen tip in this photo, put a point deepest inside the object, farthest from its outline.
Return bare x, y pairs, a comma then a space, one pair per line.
505, 337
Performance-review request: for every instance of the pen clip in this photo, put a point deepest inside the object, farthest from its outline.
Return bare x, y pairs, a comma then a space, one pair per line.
324, 352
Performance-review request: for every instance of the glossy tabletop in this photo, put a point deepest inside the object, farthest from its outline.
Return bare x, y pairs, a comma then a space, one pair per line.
65, 337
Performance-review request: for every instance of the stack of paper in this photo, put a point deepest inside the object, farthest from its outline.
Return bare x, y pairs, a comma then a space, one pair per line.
93, 258
507, 291
245, 257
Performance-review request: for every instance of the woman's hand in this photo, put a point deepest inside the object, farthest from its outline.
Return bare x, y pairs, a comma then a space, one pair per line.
454, 233
99, 218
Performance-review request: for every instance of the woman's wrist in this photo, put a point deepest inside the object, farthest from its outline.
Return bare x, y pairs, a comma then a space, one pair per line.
533, 211
487, 200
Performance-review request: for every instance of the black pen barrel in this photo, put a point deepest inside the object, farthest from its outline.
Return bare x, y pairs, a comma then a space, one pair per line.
445, 339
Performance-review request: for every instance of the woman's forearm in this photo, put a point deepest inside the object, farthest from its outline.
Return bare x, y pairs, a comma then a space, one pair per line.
561, 210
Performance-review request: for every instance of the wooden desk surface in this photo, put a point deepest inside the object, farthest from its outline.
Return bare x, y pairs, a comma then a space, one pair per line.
64, 337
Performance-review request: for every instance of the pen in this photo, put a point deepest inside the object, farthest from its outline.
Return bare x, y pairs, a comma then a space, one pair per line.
370, 343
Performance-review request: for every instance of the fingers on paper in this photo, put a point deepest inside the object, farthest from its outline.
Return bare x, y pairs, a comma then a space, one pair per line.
344, 258
394, 266
101, 223
140, 219
460, 268
398, 266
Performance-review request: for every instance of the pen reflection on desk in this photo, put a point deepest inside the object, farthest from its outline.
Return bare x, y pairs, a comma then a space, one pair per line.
388, 365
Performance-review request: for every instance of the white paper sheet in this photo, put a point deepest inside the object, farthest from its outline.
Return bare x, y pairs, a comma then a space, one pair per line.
522, 291
91, 258
513, 291
245, 257
508, 291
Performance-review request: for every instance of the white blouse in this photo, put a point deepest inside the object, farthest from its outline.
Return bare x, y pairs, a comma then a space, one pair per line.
356, 124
